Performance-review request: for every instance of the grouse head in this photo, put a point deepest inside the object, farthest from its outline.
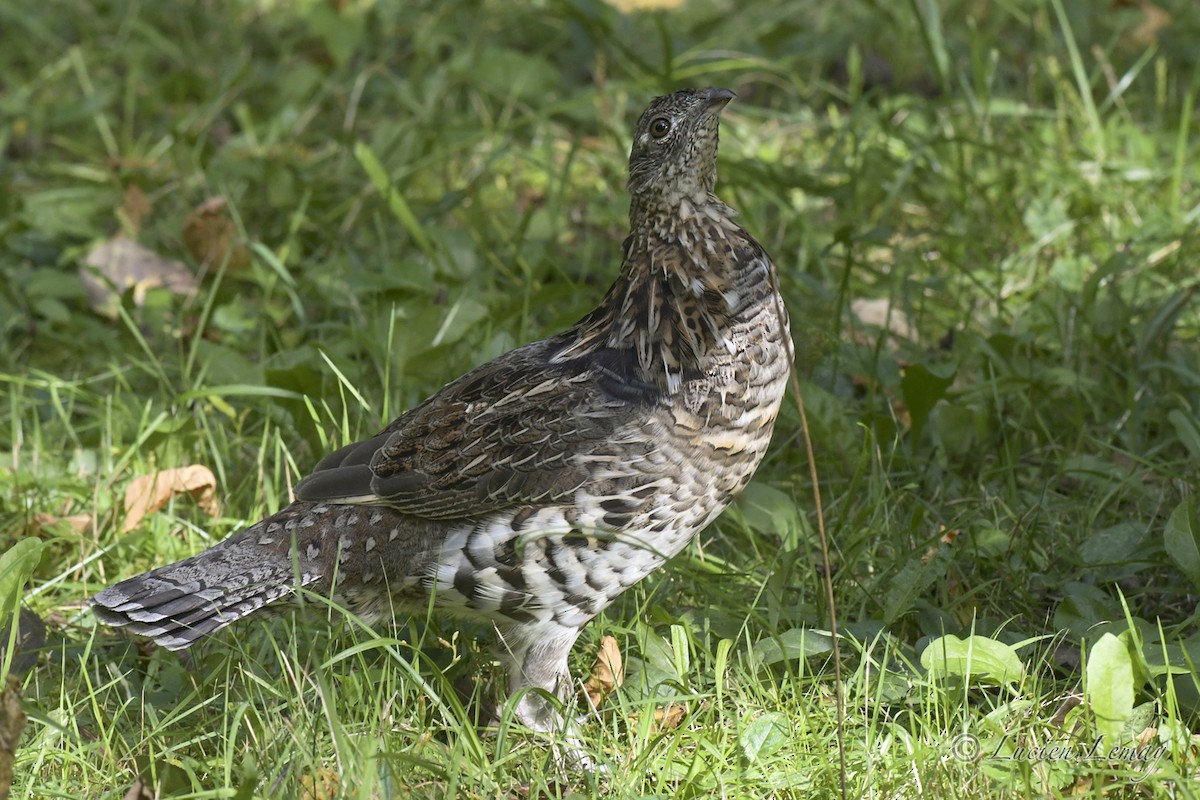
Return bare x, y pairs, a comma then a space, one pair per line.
674, 155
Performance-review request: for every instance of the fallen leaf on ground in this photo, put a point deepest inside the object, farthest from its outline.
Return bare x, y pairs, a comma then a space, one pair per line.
321, 786
879, 313
135, 207
212, 237
608, 672
149, 493
12, 723
79, 523
122, 263
139, 791
1080, 788
1154, 20
665, 718
627, 6
668, 719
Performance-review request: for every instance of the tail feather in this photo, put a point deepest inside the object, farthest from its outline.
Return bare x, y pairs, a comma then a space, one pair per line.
149, 605
179, 622
177, 604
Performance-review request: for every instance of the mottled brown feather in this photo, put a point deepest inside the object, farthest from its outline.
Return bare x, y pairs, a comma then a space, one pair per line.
495, 438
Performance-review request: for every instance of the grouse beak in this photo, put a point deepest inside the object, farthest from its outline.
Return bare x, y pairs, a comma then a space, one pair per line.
716, 99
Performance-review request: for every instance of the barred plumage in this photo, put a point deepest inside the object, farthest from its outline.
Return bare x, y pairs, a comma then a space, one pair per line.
536, 488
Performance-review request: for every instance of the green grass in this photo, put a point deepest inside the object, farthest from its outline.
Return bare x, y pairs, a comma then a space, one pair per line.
424, 186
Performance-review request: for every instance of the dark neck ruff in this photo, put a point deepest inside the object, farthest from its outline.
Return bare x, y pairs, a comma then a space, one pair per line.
670, 308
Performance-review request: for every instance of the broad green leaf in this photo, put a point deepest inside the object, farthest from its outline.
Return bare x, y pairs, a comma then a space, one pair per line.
1175, 734
1182, 540
513, 74
1112, 544
1187, 429
912, 580
1176, 657
1162, 323
463, 316
680, 650
1083, 607
790, 645
976, 657
651, 673
770, 511
70, 211
922, 389
954, 428
340, 27
1110, 686
1071, 272
16, 567
764, 735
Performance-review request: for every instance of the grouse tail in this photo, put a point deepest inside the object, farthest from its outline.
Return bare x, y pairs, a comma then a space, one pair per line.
177, 604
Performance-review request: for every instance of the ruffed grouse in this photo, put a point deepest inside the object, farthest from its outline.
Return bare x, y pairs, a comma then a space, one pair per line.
536, 488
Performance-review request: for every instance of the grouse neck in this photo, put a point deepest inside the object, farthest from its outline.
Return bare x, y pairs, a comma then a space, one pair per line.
678, 294
665, 213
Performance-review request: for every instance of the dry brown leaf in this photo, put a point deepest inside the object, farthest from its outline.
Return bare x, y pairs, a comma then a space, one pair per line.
902, 414
669, 718
948, 535
135, 207
12, 723
80, 523
124, 263
627, 6
212, 237
321, 786
1080, 788
139, 791
608, 672
1154, 19
149, 493
879, 313
1069, 703
665, 718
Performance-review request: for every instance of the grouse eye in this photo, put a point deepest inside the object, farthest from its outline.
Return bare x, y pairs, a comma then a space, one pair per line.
660, 127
